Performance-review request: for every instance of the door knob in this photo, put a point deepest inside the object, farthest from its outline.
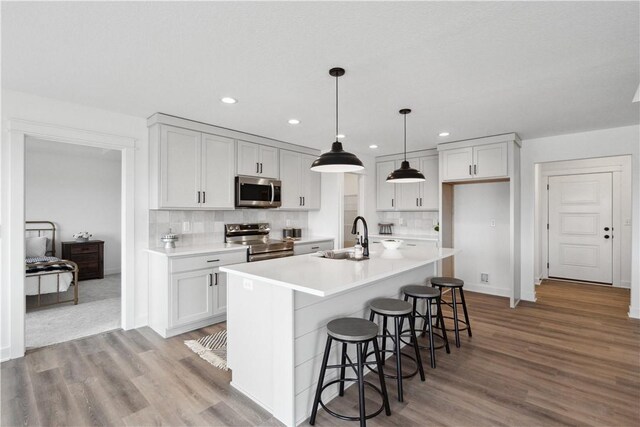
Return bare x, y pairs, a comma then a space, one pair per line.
606, 236
606, 229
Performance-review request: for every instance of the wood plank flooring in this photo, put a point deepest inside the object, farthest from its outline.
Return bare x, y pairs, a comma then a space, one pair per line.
572, 358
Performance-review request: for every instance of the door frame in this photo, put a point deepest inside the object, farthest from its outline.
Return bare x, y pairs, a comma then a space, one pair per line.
13, 216
616, 214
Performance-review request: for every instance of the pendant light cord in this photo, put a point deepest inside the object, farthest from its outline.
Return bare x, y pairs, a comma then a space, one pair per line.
336, 108
405, 137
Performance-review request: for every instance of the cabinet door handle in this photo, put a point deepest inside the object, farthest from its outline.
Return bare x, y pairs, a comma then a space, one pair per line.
391, 202
299, 200
210, 279
216, 279
204, 197
198, 197
304, 202
417, 201
260, 167
470, 170
475, 169
420, 201
257, 167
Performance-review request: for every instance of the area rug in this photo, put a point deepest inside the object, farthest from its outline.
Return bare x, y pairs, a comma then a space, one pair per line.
212, 348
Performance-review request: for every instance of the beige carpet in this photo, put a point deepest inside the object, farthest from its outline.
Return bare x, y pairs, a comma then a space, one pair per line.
98, 311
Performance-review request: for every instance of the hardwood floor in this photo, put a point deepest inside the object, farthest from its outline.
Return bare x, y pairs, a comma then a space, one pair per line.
572, 358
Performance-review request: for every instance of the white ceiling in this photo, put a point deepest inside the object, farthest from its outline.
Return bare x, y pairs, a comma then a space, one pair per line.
473, 69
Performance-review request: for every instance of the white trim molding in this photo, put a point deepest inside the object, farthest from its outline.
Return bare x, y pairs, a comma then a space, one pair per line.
13, 214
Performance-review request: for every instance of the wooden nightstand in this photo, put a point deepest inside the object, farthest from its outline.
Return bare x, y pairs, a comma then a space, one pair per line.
88, 255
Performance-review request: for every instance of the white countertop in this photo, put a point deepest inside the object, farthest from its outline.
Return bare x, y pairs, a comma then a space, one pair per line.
425, 237
311, 239
323, 277
197, 250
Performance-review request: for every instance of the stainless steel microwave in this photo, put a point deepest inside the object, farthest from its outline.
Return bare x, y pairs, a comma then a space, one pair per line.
258, 192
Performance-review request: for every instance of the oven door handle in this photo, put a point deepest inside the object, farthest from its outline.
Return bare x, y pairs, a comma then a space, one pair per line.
270, 255
273, 192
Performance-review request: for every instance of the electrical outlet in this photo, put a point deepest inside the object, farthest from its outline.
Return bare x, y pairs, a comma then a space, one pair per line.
493, 223
400, 221
186, 226
484, 277
288, 223
627, 221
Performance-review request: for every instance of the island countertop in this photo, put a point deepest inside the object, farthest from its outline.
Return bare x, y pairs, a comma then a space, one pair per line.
322, 277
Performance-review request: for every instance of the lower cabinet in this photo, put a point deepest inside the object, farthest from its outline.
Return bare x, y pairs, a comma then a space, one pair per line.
189, 292
307, 248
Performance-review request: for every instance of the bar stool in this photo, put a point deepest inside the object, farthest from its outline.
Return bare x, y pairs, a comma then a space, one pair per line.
455, 285
429, 295
398, 310
351, 330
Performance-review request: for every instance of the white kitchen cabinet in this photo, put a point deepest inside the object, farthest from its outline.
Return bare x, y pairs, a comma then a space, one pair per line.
189, 292
385, 191
257, 160
301, 248
490, 160
475, 162
300, 185
418, 196
190, 170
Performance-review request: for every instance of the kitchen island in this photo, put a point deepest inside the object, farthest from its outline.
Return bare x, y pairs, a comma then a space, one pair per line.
278, 310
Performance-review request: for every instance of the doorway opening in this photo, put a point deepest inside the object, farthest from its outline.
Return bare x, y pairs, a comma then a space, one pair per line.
71, 189
351, 207
583, 210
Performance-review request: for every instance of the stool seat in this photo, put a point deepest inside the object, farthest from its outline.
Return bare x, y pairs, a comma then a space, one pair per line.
421, 291
352, 329
450, 282
390, 306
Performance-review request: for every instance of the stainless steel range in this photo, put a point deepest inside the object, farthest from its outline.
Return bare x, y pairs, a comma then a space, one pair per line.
256, 238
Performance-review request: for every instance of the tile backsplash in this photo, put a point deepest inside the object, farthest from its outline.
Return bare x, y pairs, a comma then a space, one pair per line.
412, 222
202, 227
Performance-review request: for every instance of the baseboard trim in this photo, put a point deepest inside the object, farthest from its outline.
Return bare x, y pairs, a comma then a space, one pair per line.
634, 312
5, 354
141, 321
108, 271
527, 296
624, 284
484, 289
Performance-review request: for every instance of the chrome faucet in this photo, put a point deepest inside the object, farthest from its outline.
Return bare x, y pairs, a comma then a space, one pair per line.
365, 240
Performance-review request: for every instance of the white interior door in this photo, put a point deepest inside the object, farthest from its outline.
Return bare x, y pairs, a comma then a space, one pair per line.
580, 227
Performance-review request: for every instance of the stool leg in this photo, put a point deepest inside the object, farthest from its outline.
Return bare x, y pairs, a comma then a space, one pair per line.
440, 320
466, 315
384, 339
455, 316
343, 361
412, 324
363, 413
398, 358
323, 370
432, 350
383, 385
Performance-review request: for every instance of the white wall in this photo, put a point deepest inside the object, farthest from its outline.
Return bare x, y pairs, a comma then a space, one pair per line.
484, 248
599, 143
17, 105
77, 188
618, 165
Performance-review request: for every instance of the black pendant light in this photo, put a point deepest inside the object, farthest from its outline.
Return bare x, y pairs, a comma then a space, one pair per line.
406, 174
337, 160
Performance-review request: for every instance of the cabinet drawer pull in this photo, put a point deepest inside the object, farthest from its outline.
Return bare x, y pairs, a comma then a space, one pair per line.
411, 244
213, 260
315, 247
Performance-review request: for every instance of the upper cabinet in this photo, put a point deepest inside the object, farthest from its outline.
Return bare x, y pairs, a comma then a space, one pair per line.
257, 160
190, 170
300, 185
420, 196
475, 162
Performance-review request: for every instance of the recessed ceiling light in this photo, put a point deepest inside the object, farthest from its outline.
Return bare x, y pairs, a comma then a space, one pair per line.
229, 100
374, 146
340, 135
294, 121
444, 134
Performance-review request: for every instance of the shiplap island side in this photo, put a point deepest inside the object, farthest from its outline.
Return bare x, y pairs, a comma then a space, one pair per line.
278, 310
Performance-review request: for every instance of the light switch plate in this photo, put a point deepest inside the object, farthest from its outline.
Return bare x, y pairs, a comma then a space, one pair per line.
247, 284
186, 226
